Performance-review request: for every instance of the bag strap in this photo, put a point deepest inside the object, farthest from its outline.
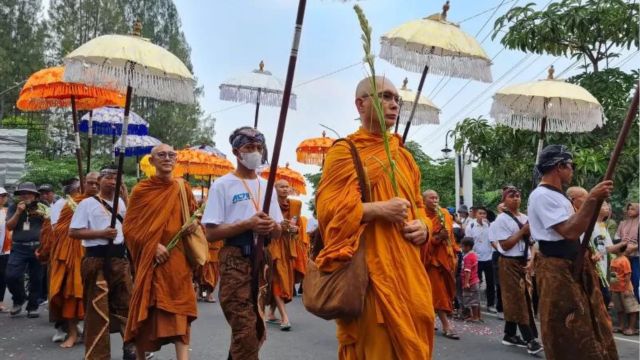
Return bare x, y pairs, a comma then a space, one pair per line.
183, 200
362, 178
520, 225
109, 208
526, 239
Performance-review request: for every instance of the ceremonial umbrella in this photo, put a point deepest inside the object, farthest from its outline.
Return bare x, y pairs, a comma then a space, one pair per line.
128, 62
212, 150
426, 111
312, 151
192, 162
257, 87
137, 145
294, 178
46, 89
437, 45
550, 105
108, 121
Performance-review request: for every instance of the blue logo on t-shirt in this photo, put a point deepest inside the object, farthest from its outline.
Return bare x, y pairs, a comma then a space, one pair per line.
241, 197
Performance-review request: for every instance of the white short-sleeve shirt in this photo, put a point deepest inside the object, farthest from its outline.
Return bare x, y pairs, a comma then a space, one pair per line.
230, 202
91, 214
547, 208
481, 244
56, 210
3, 227
503, 228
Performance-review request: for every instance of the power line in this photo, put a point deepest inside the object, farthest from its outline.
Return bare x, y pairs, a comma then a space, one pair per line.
483, 12
13, 87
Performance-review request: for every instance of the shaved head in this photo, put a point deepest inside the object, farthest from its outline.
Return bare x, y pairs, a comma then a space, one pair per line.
389, 102
91, 183
431, 199
577, 195
382, 83
162, 147
283, 189
163, 158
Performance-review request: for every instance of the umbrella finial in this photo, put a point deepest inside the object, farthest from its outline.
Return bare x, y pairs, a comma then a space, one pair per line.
550, 73
445, 9
286, 165
404, 83
137, 28
261, 65
324, 134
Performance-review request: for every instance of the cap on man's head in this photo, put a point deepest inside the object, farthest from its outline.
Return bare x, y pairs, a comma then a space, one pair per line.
3, 191
551, 156
45, 188
245, 135
463, 209
26, 187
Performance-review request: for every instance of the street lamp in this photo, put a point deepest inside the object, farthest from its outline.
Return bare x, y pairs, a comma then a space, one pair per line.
446, 150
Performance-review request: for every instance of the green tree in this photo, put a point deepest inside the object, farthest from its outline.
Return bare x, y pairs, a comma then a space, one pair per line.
584, 29
438, 175
22, 37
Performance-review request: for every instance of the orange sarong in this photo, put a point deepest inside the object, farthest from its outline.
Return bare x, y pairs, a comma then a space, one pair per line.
209, 273
163, 301
398, 317
65, 277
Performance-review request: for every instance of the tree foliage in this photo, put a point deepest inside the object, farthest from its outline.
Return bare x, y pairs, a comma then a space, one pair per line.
583, 29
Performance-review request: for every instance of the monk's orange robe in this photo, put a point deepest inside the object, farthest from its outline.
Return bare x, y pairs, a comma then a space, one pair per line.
65, 277
163, 302
302, 250
398, 318
43, 252
284, 252
440, 261
210, 272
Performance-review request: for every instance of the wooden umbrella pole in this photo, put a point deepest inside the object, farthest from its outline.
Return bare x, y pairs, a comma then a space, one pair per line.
89, 140
123, 144
398, 119
415, 103
613, 162
76, 130
255, 121
543, 128
258, 248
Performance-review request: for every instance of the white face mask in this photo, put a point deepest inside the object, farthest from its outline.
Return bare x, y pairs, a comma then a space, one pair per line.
251, 160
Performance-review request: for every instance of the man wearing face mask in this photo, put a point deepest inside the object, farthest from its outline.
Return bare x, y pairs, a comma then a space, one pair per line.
234, 213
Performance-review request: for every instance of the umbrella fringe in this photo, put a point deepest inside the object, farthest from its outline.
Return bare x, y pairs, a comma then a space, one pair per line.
440, 63
108, 129
243, 94
563, 115
144, 83
310, 158
424, 115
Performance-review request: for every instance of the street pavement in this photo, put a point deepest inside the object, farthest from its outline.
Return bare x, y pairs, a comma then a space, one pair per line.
310, 338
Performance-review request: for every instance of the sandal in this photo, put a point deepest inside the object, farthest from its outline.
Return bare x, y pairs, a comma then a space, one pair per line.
628, 332
285, 327
617, 330
451, 335
275, 321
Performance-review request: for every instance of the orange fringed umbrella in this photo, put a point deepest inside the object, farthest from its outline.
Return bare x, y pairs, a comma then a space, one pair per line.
312, 151
294, 178
193, 162
46, 89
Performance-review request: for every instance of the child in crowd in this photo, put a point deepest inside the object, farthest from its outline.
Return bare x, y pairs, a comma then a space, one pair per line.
470, 282
622, 296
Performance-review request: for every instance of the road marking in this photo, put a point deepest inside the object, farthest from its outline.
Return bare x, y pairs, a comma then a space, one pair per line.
615, 337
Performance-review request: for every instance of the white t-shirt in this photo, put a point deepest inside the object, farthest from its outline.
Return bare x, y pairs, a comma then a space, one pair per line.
481, 244
91, 214
601, 238
230, 202
503, 228
547, 208
56, 210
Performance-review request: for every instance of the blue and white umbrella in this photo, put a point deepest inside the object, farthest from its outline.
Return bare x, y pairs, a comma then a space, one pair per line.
108, 121
137, 145
210, 150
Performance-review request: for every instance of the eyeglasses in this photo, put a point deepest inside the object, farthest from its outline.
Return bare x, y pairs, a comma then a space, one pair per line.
167, 155
386, 96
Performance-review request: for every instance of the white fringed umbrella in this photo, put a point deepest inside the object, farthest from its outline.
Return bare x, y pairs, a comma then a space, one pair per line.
426, 111
257, 87
437, 45
549, 105
130, 62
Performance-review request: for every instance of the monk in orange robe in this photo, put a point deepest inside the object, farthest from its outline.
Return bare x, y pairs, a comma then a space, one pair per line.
65, 279
285, 253
440, 260
163, 303
397, 321
209, 274
302, 250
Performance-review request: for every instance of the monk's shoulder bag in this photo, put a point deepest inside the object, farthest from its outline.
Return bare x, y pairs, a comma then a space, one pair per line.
339, 294
195, 244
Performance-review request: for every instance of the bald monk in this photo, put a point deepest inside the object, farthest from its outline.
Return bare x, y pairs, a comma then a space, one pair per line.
577, 195
163, 303
284, 253
440, 260
397, 319
65, 280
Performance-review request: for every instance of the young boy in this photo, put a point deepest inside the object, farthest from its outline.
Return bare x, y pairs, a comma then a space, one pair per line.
470, 291
621, 289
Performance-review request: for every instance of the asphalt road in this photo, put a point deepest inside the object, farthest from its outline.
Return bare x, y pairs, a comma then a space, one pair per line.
310, 338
